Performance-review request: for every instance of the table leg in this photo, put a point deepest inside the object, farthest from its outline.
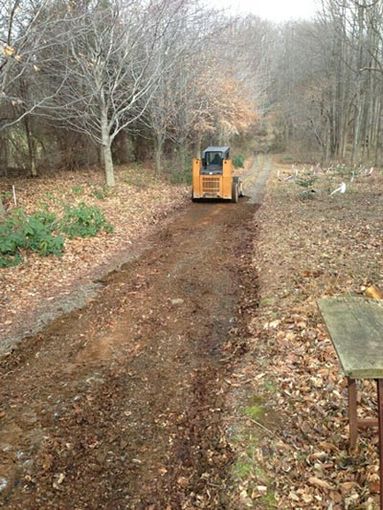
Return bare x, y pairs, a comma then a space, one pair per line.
380, 412
352, 411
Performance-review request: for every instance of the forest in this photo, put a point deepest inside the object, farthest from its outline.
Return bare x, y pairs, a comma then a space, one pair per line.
97, 83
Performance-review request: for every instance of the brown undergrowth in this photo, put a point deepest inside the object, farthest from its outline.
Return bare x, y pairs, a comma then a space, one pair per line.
290, 431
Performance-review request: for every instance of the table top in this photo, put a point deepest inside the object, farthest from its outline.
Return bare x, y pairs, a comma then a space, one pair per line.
355, 325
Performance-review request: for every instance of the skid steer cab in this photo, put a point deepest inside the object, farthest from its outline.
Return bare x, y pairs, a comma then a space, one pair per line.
213, 176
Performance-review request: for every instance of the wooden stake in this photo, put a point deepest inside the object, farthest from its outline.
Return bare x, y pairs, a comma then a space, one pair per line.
14, 195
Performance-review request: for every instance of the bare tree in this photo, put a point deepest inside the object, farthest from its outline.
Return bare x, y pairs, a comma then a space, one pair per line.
189, 38
167, 69
26, 30
203, 96
112, 68
28, 43
328, 81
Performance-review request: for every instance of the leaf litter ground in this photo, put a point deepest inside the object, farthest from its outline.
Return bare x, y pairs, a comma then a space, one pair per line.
290, 431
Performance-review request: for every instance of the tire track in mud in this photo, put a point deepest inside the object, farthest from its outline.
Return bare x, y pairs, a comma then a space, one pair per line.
121, 405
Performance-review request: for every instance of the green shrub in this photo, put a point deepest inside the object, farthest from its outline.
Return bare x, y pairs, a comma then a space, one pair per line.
46, 218
343, 170
10, 260
239, 161
38, 234
10, 231
22, 232
11, 240
84, 221
306, 181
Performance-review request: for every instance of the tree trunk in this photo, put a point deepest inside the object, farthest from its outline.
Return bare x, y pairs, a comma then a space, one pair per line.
356, 139
4, 154
101, 159
109, 170
31, 147
159, 148
378, 135
107, 151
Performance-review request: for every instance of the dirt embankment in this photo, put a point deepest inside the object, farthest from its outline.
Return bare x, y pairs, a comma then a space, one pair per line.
122, 404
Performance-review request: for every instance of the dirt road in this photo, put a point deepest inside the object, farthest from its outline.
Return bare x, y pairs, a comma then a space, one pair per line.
121, 405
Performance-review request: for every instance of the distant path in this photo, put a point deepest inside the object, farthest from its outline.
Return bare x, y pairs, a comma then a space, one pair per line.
254, 182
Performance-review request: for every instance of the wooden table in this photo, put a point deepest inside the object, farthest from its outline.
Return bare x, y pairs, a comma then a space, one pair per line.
355, 326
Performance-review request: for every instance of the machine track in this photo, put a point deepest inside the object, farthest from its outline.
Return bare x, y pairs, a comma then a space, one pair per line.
121, 405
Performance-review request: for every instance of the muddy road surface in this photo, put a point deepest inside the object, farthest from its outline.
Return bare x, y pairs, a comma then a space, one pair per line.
121, 405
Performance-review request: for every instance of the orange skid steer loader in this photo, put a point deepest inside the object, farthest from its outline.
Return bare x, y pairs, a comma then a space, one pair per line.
213, 176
